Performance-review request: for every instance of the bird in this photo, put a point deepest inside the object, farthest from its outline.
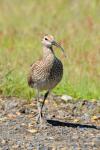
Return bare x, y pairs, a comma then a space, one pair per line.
46, 73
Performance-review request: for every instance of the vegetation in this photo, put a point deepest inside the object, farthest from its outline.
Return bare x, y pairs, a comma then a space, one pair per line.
74, 23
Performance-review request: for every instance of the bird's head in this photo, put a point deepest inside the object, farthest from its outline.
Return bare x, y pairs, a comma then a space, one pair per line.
48, 41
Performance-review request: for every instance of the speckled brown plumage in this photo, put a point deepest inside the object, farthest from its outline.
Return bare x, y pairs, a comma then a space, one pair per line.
46, 73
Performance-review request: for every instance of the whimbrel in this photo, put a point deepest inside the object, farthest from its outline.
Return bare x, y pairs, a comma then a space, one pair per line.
46, 73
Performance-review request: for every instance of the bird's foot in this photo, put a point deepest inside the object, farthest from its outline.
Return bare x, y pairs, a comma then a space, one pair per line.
41, 121
39, 118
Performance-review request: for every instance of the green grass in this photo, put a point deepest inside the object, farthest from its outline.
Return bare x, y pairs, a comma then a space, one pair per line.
74, 23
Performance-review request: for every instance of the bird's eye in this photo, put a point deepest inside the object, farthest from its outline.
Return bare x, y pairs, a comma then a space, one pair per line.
46, 39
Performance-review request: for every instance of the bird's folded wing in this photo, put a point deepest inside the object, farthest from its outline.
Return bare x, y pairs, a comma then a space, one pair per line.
38, 72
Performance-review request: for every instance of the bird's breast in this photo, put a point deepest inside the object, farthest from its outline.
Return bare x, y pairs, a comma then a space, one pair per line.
53, 75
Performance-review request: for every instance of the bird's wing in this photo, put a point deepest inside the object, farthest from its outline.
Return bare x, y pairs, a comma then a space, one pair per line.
38, 72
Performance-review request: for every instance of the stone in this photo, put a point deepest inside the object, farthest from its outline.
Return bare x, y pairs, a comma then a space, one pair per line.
66, 98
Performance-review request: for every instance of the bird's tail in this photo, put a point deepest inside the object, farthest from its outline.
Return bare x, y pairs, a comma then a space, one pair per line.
30, 82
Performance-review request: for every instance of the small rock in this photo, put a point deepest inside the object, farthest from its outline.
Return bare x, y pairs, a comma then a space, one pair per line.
50, 138
66, 98
10, 105
17, 127
32, 130
3, 141
86, 117
24, 110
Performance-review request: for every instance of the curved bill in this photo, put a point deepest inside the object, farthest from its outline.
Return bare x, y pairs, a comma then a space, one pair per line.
58, 45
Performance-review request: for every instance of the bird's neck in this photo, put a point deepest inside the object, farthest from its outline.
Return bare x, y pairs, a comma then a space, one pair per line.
48, 51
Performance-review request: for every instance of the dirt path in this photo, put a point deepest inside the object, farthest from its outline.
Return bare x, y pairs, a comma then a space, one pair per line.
71, 125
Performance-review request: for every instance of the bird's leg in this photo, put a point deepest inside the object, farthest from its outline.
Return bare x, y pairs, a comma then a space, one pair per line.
39, 117
39, 109
45, 96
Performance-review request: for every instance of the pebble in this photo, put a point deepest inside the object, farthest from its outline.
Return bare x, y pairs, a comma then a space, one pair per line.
66, 98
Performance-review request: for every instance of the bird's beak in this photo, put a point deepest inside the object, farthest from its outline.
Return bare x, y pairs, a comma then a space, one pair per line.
58, 45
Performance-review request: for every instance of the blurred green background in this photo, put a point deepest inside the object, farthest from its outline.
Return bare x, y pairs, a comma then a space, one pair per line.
73, 23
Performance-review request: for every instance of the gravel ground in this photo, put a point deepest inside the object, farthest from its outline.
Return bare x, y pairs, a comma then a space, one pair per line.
73, 125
